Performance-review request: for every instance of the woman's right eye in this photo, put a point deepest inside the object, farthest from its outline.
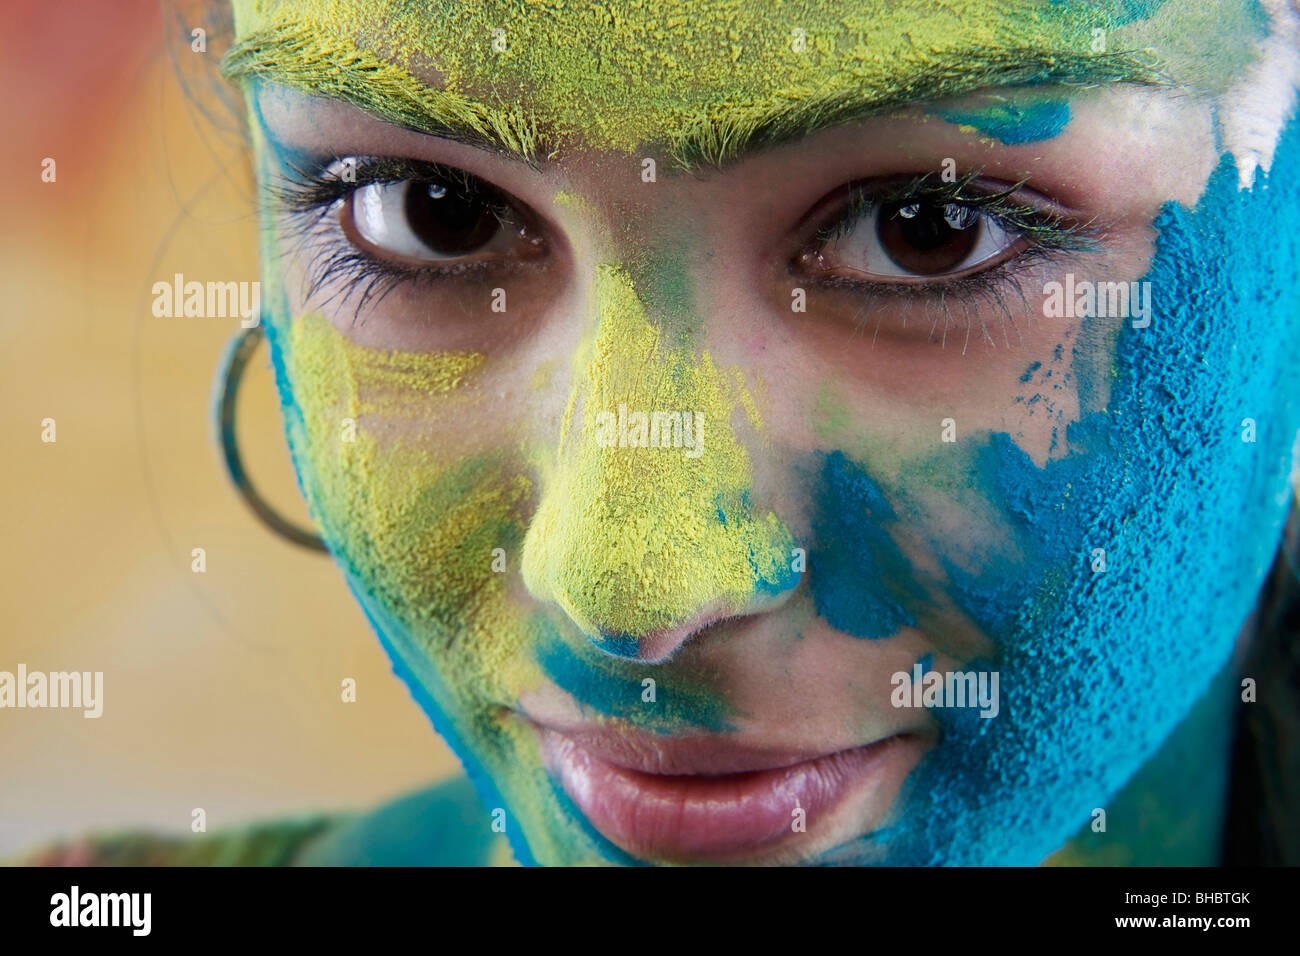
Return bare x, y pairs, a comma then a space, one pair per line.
430, 220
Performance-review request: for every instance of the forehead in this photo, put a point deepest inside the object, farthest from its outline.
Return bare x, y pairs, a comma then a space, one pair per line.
702, 76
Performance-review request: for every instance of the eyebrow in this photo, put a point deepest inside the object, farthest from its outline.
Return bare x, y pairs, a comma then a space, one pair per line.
332, 67
735, 132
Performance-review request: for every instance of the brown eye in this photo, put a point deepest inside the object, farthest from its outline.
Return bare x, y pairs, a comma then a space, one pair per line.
927, 238
449, 222
913, 239
434, 221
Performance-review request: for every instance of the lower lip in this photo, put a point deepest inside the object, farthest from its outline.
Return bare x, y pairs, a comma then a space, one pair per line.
710, 818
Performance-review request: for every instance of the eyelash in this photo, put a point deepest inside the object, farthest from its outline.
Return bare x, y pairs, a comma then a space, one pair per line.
1050, 238
307, 197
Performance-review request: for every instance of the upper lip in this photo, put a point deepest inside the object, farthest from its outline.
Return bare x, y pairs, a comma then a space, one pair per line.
705, 755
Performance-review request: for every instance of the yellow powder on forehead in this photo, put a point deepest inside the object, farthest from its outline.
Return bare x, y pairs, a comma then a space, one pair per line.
631, 540
699, 77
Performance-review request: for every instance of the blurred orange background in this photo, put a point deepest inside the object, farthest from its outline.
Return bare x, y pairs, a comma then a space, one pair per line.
221, 689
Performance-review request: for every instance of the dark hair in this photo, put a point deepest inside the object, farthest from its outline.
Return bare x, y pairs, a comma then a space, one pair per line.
1262, 827
199, 77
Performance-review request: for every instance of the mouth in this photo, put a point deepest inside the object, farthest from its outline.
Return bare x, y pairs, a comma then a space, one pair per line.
705, 799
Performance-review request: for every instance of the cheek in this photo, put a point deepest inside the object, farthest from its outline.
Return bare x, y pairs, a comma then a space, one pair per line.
1173, 504
420, 532
1152, 541
429, 543
1141, 554
1106, 583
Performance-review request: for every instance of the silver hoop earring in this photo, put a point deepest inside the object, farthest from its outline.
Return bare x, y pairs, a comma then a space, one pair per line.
229, 375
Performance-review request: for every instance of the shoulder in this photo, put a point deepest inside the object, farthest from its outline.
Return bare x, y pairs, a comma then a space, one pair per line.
442, 825
265, 844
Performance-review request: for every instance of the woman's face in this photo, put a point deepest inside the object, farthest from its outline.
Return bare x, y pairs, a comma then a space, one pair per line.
675, 386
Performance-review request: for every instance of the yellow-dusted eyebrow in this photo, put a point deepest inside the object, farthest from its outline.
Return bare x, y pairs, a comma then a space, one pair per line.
708, 82
335, 67
728, 134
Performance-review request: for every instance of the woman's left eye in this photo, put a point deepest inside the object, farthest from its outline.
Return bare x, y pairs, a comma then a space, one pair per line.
913, 239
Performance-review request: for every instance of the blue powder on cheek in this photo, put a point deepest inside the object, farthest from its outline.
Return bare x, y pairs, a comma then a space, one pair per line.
1098, 668
424, 685
856, 569
1014, 124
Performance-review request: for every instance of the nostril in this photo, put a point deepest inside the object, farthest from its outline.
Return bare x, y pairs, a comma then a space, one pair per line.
657, 646
618, 644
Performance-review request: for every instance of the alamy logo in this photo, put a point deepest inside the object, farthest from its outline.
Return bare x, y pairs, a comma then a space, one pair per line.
75, 908
1087, 300
208, 300
946, 689
84, 689
651, 430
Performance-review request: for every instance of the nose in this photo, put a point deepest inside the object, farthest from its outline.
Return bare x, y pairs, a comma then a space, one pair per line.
647, 532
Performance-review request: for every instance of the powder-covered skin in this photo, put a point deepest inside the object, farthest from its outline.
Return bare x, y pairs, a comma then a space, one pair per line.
1077, 650
858, 564
607, 688
642, 564
417, 534
1014, 124
607, 547
608, 76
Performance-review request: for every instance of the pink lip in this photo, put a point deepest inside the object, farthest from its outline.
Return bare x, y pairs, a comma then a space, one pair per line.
703, 798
